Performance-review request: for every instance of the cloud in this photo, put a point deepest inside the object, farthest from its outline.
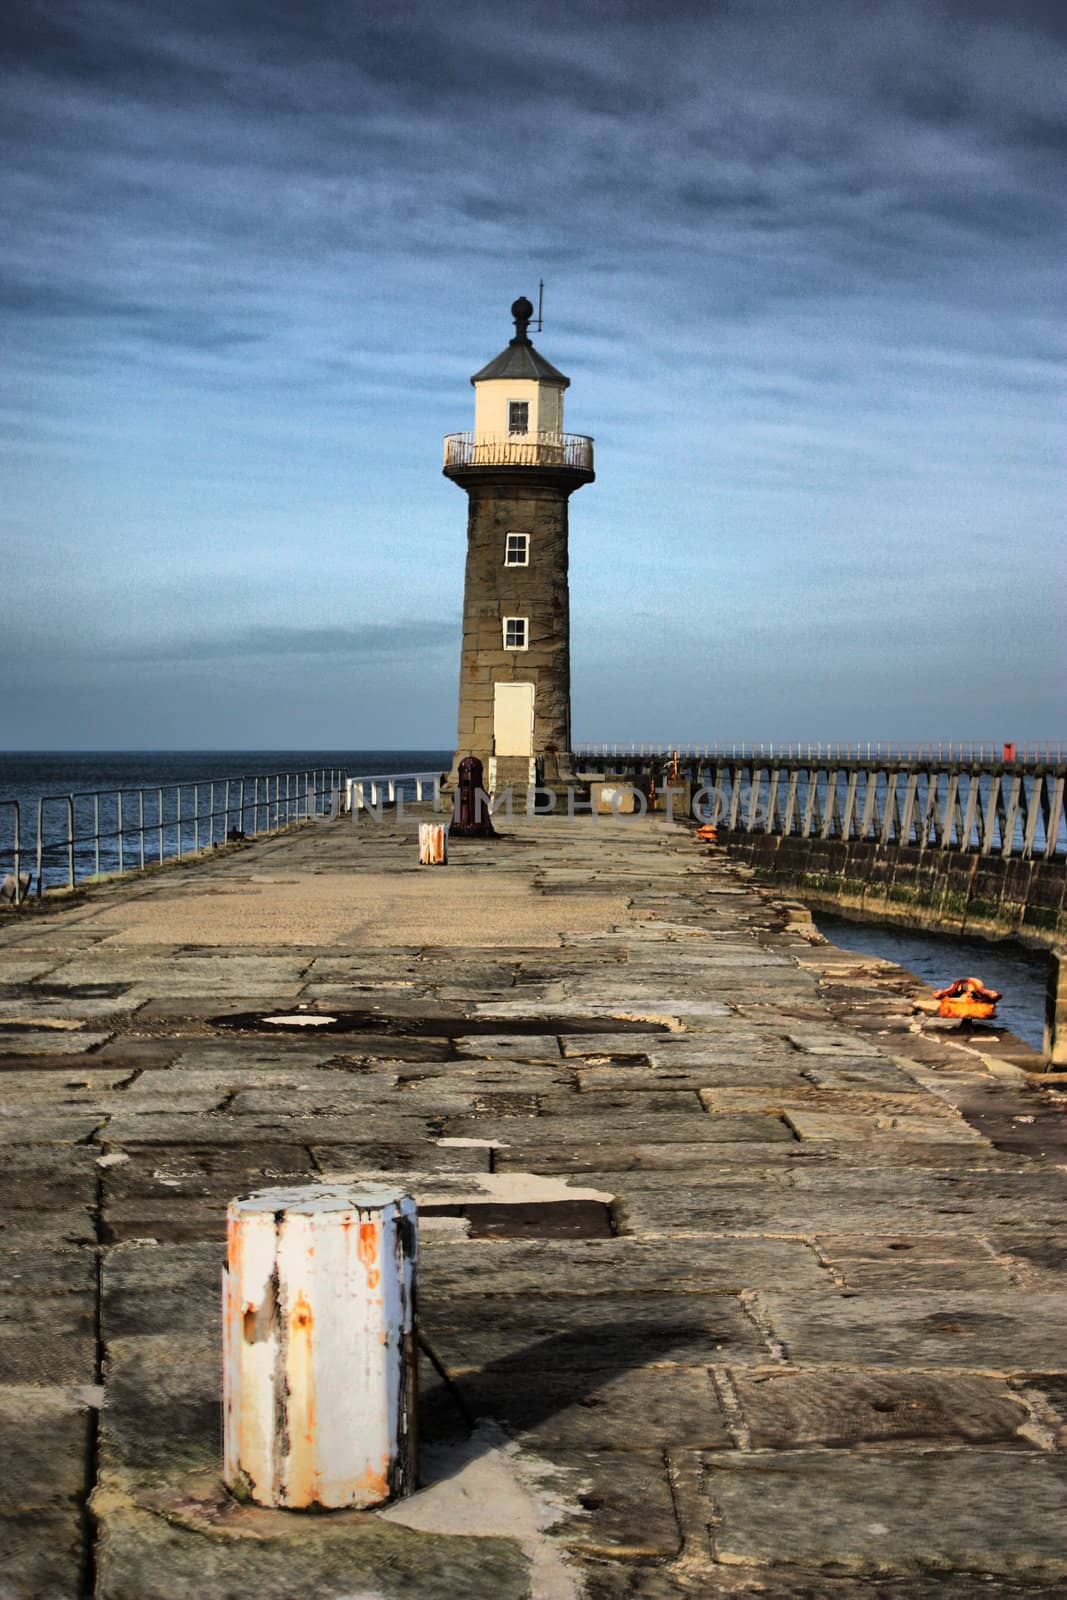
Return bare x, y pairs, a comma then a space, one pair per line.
366, 642
800, 261
371, 641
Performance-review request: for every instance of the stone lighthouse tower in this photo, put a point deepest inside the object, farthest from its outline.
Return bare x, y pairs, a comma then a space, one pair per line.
519, 469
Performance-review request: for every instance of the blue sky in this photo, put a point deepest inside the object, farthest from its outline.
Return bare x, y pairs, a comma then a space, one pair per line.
801, 260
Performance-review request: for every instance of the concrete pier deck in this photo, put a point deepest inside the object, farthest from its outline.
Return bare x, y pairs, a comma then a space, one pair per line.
737, 1277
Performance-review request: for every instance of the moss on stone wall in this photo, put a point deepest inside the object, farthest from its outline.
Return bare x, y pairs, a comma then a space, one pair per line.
929, 888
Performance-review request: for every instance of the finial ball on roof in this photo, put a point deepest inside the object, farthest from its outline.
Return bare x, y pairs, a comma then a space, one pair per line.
522, 309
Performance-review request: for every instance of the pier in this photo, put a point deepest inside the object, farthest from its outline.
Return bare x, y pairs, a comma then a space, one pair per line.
739, 1271
964, 838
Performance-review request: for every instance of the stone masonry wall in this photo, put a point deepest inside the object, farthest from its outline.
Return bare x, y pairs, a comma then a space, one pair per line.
537, 506
985, 895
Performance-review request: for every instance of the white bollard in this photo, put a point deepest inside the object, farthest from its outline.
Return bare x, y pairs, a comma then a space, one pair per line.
433, 844
319, 1346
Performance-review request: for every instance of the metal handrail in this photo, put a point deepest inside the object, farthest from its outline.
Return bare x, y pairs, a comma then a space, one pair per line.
859, 750
356, 788
247, 804
534, 449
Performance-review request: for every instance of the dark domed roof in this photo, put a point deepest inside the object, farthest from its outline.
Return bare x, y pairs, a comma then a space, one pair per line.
519, 359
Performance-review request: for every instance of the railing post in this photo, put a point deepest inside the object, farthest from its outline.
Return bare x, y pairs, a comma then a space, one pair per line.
70, 840
96, 834
40, 848
140, 828
16, 850
178, 816
118, 819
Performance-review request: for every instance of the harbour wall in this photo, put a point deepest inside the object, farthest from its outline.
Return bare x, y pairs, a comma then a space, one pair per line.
960, 891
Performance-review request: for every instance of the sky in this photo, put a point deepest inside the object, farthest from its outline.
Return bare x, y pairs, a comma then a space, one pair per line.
802, 264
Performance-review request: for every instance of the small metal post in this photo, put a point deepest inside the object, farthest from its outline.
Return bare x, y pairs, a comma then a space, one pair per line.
40, 848
211, 815
320, 1346
241, 824
178, 816
196, 816
118, 819
159, 821
17, 853
96, 833
140, 827
70, 840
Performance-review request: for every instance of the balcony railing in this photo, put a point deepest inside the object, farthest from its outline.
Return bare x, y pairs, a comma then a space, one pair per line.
519, 450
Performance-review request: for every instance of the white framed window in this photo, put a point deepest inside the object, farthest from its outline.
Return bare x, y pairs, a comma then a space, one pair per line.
518, 416
516, 633
517, 550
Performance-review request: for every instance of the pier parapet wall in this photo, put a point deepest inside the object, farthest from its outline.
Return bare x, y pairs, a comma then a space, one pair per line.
971, 845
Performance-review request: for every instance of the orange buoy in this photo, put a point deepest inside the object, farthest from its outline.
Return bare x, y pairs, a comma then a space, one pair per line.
967, 997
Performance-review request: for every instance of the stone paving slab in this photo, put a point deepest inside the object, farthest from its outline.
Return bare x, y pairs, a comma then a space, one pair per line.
190, 1550
604, 1266
1000, 1331
902, 1515
704, 1159
598, 1409
790, 1410
50, 1042
573, 1334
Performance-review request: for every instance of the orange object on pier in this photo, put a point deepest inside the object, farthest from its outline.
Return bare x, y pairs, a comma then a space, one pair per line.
967, 997
708, 833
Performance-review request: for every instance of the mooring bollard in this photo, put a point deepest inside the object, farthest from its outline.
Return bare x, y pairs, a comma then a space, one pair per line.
433, 844
319, 1346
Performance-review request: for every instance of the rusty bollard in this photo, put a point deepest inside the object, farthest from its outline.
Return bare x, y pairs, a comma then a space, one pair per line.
433, 844
319, 1346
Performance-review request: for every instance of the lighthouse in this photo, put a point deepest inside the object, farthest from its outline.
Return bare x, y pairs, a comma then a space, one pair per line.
519, 470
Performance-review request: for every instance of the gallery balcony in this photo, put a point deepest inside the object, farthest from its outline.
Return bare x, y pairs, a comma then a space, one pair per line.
572, 451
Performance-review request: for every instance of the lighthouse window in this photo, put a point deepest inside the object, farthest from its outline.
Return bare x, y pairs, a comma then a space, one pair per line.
517, 550
516, 630
518, 416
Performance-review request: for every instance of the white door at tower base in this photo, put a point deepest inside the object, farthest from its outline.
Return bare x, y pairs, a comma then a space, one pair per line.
513, 719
